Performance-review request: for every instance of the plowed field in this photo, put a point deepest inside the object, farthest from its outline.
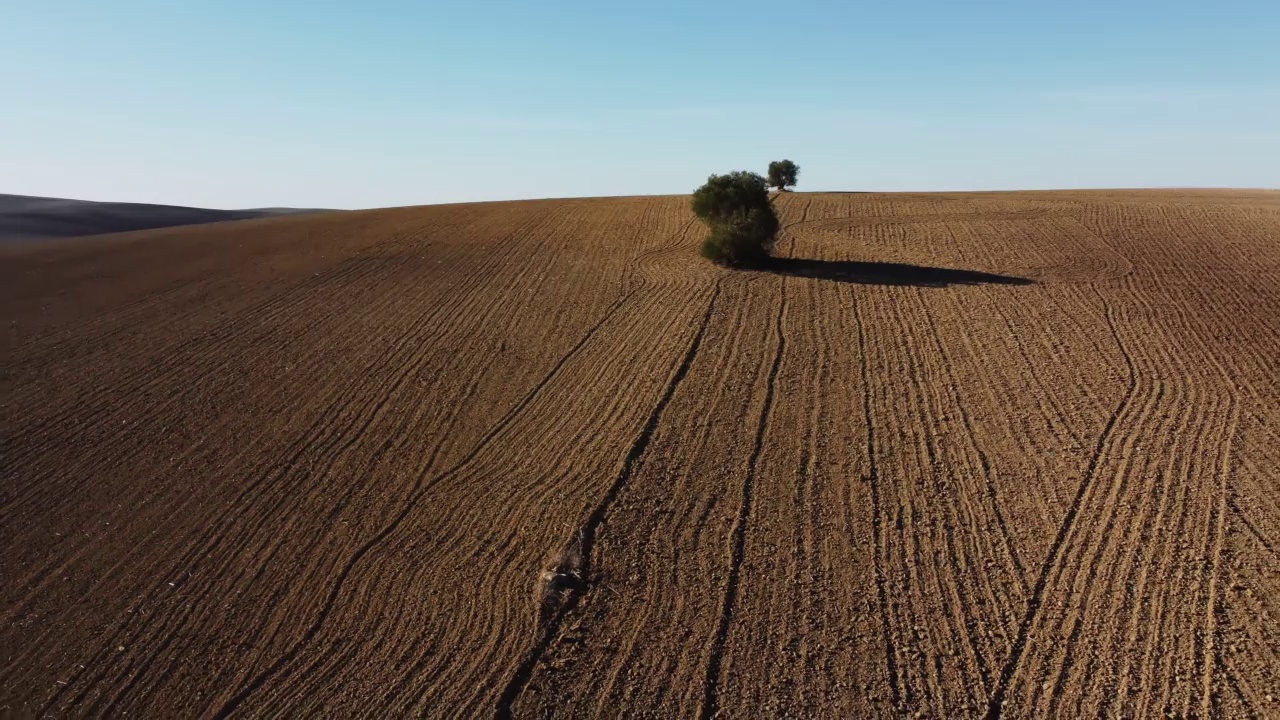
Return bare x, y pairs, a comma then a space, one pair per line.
1005, 454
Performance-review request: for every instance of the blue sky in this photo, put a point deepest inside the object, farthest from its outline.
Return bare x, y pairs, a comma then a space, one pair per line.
346, 104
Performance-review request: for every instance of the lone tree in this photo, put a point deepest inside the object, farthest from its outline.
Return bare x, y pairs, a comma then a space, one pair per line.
783, 174
743, 226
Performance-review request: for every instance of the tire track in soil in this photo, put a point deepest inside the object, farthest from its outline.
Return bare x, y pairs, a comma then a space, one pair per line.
1252, 529
1209, 656
378, 258
630, 287
332, 437
586, 534
206, 348
1153, 561
419, 488
711, 684
422, 671
942, 579
1121, 447
332, 427
1144, 572
669, 547
1190, 427
169, 637
1102, 571
200, 355
995, 706
710, 701
984, 459
877, 510
325, 439
364, 263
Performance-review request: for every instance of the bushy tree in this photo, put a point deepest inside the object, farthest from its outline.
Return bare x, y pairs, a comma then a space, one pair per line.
745, 238
723, 196
783, 174
743, 225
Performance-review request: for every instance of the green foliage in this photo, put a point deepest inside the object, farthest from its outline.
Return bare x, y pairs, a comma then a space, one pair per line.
745, 239
783, 174
726, 195
743, 225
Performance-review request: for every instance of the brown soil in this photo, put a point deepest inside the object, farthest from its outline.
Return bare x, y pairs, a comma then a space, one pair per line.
1002, 454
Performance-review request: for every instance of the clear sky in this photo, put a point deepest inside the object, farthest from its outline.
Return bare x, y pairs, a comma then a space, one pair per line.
402, 102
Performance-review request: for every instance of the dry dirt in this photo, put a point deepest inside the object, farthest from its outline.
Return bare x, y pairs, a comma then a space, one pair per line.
321, 466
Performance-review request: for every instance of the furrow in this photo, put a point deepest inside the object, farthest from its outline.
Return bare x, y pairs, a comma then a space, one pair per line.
711, 685
420, 485
1052, 564
586, 534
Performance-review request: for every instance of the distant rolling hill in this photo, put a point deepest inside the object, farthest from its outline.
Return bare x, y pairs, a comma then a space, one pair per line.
24, 217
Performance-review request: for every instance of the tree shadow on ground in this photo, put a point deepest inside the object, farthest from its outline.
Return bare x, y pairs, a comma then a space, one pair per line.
883, 273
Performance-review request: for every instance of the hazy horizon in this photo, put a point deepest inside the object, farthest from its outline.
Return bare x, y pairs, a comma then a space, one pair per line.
298, 105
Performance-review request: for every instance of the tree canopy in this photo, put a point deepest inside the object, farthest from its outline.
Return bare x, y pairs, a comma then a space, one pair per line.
783, 174
725, 195
736, 208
